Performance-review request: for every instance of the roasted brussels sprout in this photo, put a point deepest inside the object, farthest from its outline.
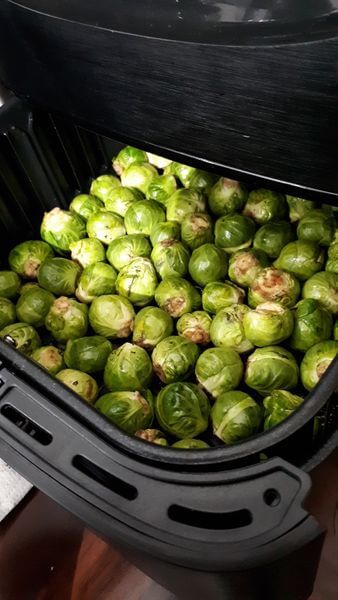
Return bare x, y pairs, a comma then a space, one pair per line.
332, 258
137, 281
208, 263
161, 188
170, 259
126, 157
271, 368
190, 444
219, 370
7, 312
26, 258
139, 175
174, 358
217, 295
196, 230
317, 226
23, 337
59, 276
124, 249
168, 230
87, 354
10, 283
158, 161
121, 198
85, 206
50, 358
182, 409
313, 324
269, 324
264, 206
142, 216
87, 252
67, 319
33, 306
80, 383
234, 232
154, 436
60, 228
111, 316
323, 287
245, 265
184, 202
235, 416
226, 196
227, 328
130, 411
96, 280
301, 258
298, 207
177, 296
128, 368
274, 285
273, 237
105, 226
315, 362
195, 327
102, 186
279, 405
152, 325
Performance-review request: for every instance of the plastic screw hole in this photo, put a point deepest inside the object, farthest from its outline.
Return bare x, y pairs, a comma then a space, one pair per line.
271, 497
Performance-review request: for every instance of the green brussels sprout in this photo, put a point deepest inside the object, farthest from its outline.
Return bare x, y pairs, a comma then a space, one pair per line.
103, 185
195, 327
271, 368
26, 258
201, 180
235, 416
7, 312
190, 444
298, 207
217, 295
208, 263
105, 226
60, 228
274, 285
50, 358
137, 281
128, 368
59, 276
177, 296
87, 354
87, 252
174, 358
121, 198
245, 265
317, 226
315, 362
123, 250
183, 172
154, 436
170, 259
142, 216
28, 286
126, 157
161, 188
313, 324
80, 383
10, 283
219, 370
301, 258
273, 237
264, 206
227, 328
33, 306
269, 324
169, 230
129, 411
184, 202
139, 175
182, 409
332, 258
234, 232
111, 316
95, 280
323, 287
67, 319
158, 161
279, 405
196, 230
226, 197
85, 206
23, 337
152, 325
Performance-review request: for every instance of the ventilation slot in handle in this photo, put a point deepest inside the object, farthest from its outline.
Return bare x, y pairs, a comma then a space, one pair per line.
207, 520
109, 481
26, 425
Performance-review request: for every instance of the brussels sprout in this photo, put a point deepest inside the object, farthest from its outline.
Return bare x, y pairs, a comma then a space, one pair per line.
195, 327
272, 237
197, 230
121, 198
315, 362
332, 258
170, 259
142, 216
201, 180
130, 411
158, 161
67, 319
87, 354
271, 368
169, 230
50, 358
126, 157
105, 226
128, 368
137, 281
33, 306
279, 405
274, 285
245, 265
151, 325
174, 358
177, 296
123, 250
317, 226
208, 263
298, 207
190, 444
22, 336
219, 370
28, 286
313, 324
26, 258
227, 328
154, 436
226, 196
217, 295
85, 206
335, 330
7, 312
9, 284
270, 323
139, 175
183, 172
265, 205
161, 188
103, 185
59, 276
301, 258
182, 409
323, 287
234, 232
111, 316
80, 383
235, 416
60, 228
96, 280
87, 252
184, 202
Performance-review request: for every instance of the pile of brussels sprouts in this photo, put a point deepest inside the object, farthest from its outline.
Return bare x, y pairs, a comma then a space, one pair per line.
183, 307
